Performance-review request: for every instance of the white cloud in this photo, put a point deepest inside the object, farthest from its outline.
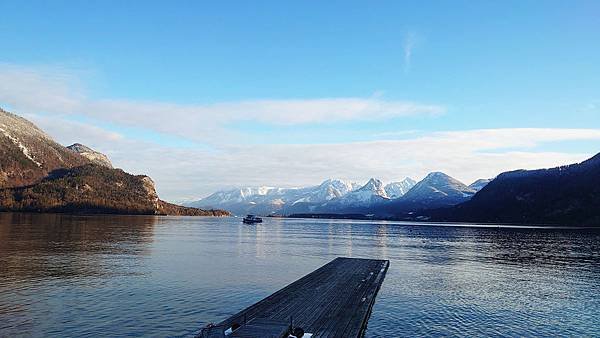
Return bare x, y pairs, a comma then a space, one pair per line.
192, 173
68, 132
183, 174
408, 46
59, 92
40, 89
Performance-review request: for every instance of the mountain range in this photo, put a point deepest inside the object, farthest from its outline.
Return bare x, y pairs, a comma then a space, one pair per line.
337, 196
39, 175
567, 196
273, 200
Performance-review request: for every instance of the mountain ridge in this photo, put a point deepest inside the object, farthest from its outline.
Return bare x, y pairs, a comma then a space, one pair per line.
437, 186
565, 195
39, 175
27, 154
91, 154
480, 183
399, 189
371, 197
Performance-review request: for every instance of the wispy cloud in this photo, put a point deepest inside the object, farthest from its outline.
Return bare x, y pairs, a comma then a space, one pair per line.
408, 46
58, 92
55, 100
67, 131
592, 106
184, 174
466, 155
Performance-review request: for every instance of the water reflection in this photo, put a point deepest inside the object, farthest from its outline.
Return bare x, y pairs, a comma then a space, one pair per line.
36, 246
382, 240
166, 276
48, 259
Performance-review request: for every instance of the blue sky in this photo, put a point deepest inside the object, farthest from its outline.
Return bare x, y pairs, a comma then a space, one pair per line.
209, 78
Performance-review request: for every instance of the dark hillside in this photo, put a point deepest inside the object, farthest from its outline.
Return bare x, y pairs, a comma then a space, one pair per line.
568, 195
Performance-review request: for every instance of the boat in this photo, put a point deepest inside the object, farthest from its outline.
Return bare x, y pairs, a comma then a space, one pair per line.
251, 219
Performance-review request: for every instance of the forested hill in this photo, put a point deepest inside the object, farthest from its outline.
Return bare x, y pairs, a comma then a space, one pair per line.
39, 175
567, 195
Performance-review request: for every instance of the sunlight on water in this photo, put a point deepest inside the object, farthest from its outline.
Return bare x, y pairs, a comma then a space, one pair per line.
167, 276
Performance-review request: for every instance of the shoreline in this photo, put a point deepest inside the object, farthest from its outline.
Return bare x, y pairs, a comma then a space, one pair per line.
442, 223
68, 213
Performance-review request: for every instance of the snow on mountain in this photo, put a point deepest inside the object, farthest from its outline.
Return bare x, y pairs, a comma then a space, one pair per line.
361, 200
268, 200
565, 196
326, 191
246, 194
440, 188
331, 196
27, 154
372, 191
479, 184
91, 154
37, 174
398, 189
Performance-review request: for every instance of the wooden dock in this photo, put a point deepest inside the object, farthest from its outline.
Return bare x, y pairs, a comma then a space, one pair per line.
332, 301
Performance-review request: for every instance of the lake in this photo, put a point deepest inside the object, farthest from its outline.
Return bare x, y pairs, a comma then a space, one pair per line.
73, 276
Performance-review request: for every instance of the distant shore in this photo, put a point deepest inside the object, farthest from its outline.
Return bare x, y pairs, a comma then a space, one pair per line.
96, 212
362, 217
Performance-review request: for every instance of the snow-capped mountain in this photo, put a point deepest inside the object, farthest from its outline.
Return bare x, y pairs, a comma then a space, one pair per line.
269, 200
479, 184
361, 200
339, 196
434, 191
326, 191
398, 189
439, 188
372, 192
331, 195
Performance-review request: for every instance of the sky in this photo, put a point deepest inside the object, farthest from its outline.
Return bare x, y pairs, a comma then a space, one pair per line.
204, 95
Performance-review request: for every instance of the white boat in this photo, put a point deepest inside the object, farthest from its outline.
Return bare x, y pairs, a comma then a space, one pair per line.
251, 219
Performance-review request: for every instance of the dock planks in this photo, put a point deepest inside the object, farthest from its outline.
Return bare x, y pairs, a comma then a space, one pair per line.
332, 301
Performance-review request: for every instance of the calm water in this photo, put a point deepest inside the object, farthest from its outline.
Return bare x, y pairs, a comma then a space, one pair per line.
167, 276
